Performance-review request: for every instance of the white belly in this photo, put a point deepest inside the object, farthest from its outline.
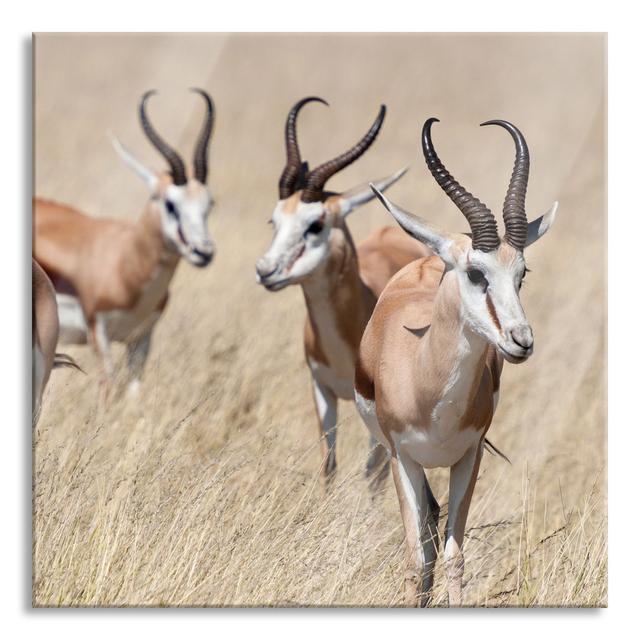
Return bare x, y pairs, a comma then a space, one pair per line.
120, 325
431, 448
73, 326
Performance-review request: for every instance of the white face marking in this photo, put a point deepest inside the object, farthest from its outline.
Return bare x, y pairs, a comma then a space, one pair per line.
490, 295
184, 212
300, 245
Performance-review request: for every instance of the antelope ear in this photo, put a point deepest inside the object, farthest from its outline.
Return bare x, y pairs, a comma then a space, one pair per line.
541, 225
148, 175
439, 241
362, 194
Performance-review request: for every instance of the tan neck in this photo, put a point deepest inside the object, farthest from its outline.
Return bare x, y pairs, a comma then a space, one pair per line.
149, 258
338, 302
450, 352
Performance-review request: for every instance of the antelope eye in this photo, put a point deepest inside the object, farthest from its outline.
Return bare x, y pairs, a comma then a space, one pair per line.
477, 277
171, 208
314, 228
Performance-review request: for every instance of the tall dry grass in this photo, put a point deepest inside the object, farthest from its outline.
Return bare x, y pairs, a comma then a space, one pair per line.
206, 490
134, 511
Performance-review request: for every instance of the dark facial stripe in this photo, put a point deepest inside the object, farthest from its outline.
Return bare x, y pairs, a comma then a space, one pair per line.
492, 313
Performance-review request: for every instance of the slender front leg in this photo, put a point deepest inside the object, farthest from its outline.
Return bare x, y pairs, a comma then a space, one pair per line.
420, 512
377, 465
462, 481
137, 354
327, 410
102, 346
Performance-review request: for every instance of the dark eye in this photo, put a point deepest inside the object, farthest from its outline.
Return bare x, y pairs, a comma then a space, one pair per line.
315, 228
477, 277
171, 208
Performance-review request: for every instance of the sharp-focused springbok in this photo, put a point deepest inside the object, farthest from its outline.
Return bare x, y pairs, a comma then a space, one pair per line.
430, 359
44, 336
312, 246
112, 276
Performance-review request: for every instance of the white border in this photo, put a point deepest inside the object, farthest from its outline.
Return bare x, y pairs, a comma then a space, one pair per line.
624, 284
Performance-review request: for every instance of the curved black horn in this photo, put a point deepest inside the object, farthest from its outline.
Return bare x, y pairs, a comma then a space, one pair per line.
484, 231
513, 211
319, 176
200, 154
290, 172
169, 154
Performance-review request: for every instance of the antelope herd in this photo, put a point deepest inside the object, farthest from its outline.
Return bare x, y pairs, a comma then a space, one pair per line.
413, 324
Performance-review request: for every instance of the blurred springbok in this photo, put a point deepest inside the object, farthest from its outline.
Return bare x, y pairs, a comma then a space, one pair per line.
428, 372
44, 336
112, 276
312, 247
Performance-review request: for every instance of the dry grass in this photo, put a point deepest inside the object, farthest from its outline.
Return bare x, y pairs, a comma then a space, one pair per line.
135, 514
206, 491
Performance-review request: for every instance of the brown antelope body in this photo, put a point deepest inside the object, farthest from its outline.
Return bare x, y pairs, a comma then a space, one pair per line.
112, 276
428, 374
312, 247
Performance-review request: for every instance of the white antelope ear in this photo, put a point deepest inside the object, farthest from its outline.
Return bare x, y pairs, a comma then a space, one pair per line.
362, 194
541, 225
439, 241
149, 176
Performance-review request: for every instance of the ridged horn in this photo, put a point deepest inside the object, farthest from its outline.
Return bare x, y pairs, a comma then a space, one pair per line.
513, 210
200, 164
319, 176
289, 177
484, 231
169, 154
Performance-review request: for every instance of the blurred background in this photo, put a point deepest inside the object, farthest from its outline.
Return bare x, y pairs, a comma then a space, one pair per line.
206, 491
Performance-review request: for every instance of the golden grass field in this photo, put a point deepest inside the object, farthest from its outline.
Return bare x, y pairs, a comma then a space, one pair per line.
206, 491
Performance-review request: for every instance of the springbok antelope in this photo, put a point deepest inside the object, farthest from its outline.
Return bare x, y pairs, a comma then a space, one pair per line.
44, 336
112, 276
429, 365
312, 246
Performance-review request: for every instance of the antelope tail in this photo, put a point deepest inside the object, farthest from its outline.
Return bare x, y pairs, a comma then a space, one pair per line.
62, 360
494, 451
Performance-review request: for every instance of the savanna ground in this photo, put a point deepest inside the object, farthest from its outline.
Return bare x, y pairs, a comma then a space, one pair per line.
206, 490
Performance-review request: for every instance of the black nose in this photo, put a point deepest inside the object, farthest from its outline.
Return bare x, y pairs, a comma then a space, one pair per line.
205, 257
522, 336
265, 268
